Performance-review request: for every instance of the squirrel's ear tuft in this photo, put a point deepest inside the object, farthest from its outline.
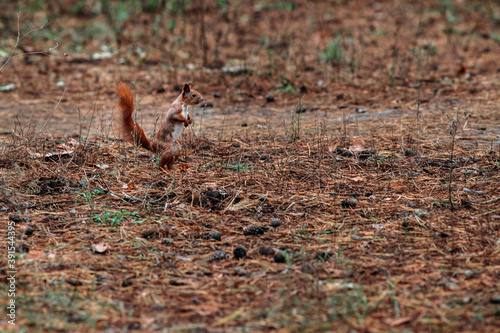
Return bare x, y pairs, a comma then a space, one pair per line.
187, 88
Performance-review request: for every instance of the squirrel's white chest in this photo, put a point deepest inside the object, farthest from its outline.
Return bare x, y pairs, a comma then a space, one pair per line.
179, 127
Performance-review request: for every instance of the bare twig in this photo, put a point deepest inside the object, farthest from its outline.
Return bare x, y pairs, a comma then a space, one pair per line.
20, 38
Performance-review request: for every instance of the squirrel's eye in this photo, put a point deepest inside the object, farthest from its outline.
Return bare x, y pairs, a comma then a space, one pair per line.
193, 95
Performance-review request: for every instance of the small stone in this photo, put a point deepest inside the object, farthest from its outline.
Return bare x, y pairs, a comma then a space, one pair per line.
262, 197
167, 241
308, 268
323, 256
219, 255
73, 282
134, 326
174, 282
348, 203
157, 308
126, 283
240, 252
207, 105
213, 235
360, 110
149, 233
8, 87
72, 211
279, 257
240, 271
75, 318
411, 204
300, 109
264, 157
495, 299
442, 234
452, 285
16, 218
83, 183
236, 144
22, 248
255, 230
410, 152
275, 222
29, 231
266, 250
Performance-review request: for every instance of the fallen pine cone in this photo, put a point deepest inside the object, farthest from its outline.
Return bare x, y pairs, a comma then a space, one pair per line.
240, 252
266, 250
255, 230
348, 203
279, 257
219, 255
213, 235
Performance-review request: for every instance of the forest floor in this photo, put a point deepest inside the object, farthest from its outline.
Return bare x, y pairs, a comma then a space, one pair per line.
317, 191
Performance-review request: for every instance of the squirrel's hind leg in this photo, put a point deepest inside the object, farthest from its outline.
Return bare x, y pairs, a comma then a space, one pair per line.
169, 155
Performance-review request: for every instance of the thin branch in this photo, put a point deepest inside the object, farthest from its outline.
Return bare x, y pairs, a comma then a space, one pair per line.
55, 108
19, 38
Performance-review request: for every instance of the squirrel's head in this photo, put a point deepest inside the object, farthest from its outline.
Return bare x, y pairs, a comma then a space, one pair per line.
191, 96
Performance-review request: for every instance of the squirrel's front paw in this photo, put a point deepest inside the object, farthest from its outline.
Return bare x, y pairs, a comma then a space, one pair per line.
190, 119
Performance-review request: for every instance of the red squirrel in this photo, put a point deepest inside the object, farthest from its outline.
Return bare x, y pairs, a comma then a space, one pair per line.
165, 143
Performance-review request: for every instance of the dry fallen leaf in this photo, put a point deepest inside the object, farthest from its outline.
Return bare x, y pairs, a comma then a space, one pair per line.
356, 148
393, 322
130, 184
66, 153
230, 317
332, 148
100, 248
102, 166
338, 285
358, 179
35, 255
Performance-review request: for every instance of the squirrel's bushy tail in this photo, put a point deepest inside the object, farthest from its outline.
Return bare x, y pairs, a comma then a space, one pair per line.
123, 121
